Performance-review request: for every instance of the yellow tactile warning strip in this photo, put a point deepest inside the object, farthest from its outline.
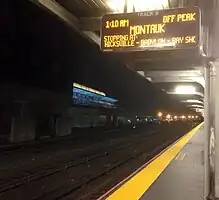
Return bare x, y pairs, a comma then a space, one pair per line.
137, 185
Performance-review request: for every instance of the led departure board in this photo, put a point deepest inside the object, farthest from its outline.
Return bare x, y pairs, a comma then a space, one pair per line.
152, 30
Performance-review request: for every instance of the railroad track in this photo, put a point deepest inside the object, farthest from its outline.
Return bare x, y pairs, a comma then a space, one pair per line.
19, 147
70, 180
80, 160
52, 154
100, 190
66, 190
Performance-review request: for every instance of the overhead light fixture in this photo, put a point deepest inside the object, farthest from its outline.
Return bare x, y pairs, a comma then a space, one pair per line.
185, 89
193, 101
195, 106
145, 5
139, 5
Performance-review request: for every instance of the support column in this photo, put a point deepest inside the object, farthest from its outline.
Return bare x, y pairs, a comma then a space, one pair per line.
217, 130
214, 53
211, 132
115, 120
212, 94
23, 126
63, 126
22, 129
207, 131
109, 120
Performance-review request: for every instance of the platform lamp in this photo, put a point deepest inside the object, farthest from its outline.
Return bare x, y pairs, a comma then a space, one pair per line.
160, 114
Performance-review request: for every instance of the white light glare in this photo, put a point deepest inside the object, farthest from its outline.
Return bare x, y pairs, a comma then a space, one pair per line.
139, 5
195, 106
193, 101
168, 116
160, 114
185, 90
146, 5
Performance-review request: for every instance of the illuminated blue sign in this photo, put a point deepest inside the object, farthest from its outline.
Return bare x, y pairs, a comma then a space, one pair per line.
83, 95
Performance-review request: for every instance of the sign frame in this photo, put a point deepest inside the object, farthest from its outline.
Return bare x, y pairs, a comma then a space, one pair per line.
153, 48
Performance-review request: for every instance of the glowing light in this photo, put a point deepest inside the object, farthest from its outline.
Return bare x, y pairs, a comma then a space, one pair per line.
193, 117
160, 114
196, 116
193, 101
183, 117
195, 106
145, 5
185, 89
189, 117
175, 117
88, 89
139, 5
168, 116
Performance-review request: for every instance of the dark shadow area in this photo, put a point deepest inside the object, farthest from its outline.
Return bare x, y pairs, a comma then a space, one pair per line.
41, 51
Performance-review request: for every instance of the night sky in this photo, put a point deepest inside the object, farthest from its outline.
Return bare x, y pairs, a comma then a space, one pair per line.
41, 51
